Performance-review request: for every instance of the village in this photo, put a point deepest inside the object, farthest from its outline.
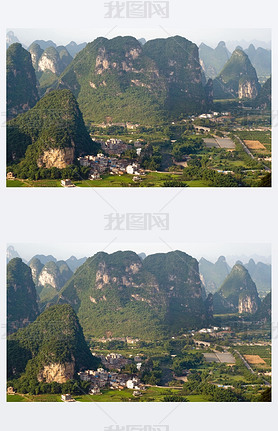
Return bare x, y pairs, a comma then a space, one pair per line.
112, 162
112, 377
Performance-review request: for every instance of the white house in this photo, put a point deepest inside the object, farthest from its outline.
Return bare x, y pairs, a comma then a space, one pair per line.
94, 176
132, 384
132, 169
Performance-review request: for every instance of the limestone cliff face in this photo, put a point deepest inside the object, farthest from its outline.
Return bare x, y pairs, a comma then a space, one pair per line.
56, 372
46, 278
36, 267
247, 304
36, 53
58, 158
50, 60
105, 61
46, 63
54, 274
106, 275
247, 90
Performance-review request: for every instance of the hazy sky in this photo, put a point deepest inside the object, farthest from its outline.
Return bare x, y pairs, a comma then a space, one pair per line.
207, 35
210, 251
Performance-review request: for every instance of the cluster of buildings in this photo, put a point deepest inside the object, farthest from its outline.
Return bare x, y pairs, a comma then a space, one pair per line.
102, 378
128, 340
114, 146
102, 164
114, 361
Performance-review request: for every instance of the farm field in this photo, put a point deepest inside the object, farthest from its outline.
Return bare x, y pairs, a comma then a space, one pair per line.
152, 179
254, 145
225, 143
150, 394
33, 183
258, 140
263, 352
34, 398
254, 359
217, 142
219, 357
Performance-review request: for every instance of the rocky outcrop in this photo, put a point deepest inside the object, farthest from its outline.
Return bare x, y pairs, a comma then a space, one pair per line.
36, 53
46, 278
56, 372
54, 274
247, 304
54, 60
36, 267
247, 90
58, 158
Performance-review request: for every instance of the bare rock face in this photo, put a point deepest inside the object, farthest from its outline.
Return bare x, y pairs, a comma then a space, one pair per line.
247, 304
58, 158
247, 90
57, 372
46, 63
45, 278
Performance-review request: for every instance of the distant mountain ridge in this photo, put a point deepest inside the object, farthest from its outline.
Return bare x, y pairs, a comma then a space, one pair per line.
260, 59
261, 275
72, 47
213, 60
213, 274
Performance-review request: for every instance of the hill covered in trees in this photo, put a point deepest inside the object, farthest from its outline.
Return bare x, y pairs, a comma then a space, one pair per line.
52, 134
22, 306
238, 293
121, 80
121, 295
238, 78
51, 349
22, 93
